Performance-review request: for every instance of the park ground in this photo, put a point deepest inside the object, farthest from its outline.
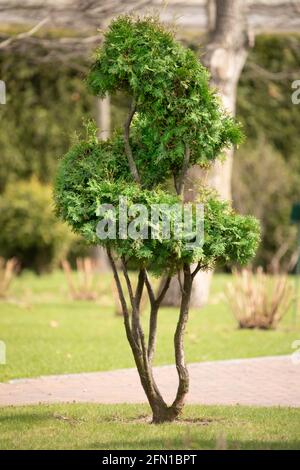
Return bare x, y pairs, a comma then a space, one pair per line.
46, 333
75, 426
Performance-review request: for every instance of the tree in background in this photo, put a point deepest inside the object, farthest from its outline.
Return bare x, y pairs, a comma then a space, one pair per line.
175, 121
225, 55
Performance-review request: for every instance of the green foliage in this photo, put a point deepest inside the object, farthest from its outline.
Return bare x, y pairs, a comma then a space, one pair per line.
29, 229
175, 105
88, 176
175, 108
45, 107
229, 237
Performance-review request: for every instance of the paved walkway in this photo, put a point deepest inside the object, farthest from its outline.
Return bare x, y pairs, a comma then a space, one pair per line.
268, 381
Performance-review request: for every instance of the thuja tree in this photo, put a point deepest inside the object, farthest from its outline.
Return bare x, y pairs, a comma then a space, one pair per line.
175, 120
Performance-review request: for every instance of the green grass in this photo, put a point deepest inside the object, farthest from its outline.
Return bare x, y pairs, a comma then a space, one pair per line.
126, 427
47, 333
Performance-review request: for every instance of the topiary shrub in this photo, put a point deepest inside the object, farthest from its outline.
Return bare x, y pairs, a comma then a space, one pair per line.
29, 229
175, 121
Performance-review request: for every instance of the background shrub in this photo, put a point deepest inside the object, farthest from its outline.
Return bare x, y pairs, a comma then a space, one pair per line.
29, 228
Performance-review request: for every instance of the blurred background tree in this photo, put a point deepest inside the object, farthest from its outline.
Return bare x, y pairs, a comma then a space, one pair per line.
266, 172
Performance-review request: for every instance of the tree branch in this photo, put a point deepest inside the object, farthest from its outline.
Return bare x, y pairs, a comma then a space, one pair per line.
138, 332
135, 313
155, 304
179, 281
152, 320
178, 340
197, 269
128, 150
132, 342
25, 35
150, 289
185, 166
163, 291
139, 288
140, 354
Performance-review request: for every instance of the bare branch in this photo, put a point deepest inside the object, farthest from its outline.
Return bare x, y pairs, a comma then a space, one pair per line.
140, 354
157, 301
150, 289
258, 70
135, 313
25, 35
84, 15
128, 150
128, 282
139, 288
152, 332
163, 291
125, 311
155, 304
147, 376
178, 340
80, 15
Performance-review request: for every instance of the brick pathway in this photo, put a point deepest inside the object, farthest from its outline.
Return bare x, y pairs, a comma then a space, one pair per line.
268, 381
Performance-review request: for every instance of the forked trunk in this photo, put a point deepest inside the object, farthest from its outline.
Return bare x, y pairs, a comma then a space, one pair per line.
164, 414
143, 355
161, 412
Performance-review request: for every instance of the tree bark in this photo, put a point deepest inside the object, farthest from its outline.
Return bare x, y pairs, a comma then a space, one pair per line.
142, 354
225, 56
182, 371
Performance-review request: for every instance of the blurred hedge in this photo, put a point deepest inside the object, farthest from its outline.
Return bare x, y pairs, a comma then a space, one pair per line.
266, 172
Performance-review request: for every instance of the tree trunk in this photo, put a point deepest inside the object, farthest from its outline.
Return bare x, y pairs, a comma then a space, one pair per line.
226, 53
161, 411
143, 355
103, 119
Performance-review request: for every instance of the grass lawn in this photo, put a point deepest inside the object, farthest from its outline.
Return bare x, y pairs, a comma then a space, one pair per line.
47, 333
126, 427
